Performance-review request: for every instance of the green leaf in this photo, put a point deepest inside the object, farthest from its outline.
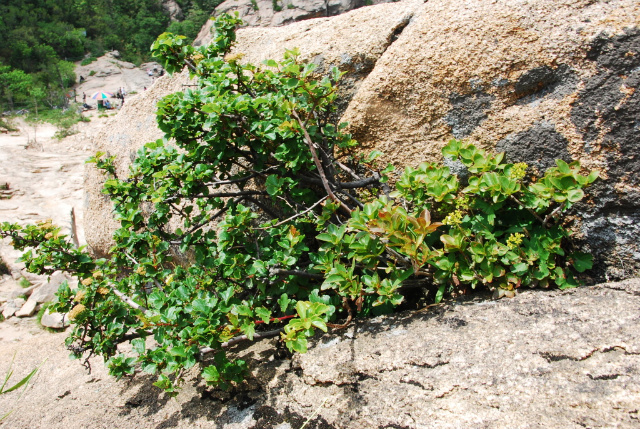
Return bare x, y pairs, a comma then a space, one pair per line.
575, 195
211, 374
292, 83
439, 294
284, 302
299, 345
263, 314
582, 261
139, 345
273, 185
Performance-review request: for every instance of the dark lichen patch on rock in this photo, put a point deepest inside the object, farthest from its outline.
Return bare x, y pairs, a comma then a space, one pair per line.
620, 53
607, 110
467, 113
539, 146
607, 114
541, 81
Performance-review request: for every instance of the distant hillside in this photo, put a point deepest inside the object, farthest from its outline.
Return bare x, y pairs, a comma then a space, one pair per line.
41, 37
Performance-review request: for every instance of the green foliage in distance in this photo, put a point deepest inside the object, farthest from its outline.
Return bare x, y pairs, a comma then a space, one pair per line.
42, 38
256, 210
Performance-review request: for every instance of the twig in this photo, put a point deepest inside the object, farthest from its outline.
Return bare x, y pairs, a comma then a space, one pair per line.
279, 272
127, 300
553, 214
348, 170
240, 338
315, 413
296, 215
345, 304
314, 154
525, 207
74, 228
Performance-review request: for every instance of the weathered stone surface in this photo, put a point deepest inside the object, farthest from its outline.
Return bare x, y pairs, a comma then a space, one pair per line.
9, 310
173, 9
54, 320
27, 309
46, 292
526, 146
19, 291
560, 359
269, 13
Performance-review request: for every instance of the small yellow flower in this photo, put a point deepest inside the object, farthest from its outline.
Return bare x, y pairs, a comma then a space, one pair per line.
97, 274
518, 171
454, 218
87, 281
45, 224
232, 58
140, 270
48, 235
77, 311
462, 201
80, 296
102, 290
514, 240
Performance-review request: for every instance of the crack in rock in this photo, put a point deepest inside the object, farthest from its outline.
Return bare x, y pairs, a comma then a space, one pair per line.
604, 376
448, 392
622, 289
552, 357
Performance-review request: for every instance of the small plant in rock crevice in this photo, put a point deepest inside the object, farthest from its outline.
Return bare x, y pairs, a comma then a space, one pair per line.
257, 211
4, 267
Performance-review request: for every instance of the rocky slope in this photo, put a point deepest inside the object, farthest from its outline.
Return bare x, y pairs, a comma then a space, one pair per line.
541, 360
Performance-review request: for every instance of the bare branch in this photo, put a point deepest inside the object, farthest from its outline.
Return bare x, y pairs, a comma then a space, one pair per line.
314, 154
525, 207
299, 273
238, 339
127, 300
296, 215
553, 214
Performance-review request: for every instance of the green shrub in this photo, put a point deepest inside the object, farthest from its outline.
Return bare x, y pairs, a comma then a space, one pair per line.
92, 72
88, 61
280, 221
7, 125
64, 120
24, 282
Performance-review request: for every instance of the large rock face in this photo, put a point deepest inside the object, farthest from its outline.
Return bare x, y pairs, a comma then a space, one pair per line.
539, 80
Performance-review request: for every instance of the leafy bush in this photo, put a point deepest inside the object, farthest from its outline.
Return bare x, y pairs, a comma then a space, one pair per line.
88, 61
260, 211
7, 125
65, 120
